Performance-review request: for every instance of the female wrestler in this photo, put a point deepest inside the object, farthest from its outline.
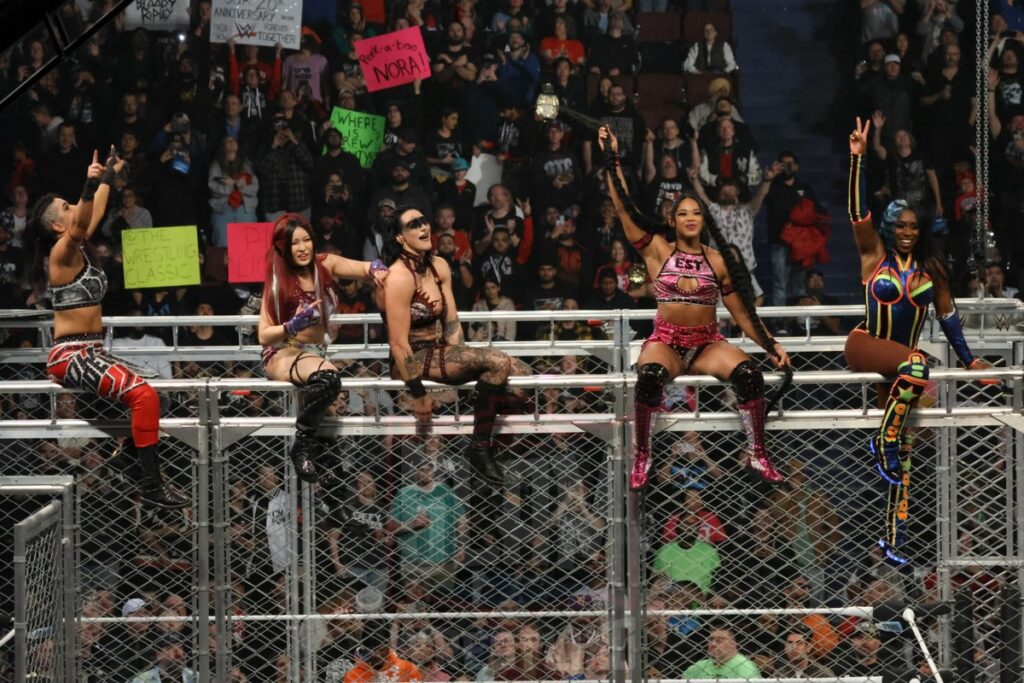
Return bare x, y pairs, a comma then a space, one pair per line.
426, 338
60, 232
901, 276
298, 299
690, 278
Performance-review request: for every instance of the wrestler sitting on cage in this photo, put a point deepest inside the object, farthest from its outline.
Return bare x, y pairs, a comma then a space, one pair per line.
298, 299
63, 261
902, 275
690, 278
418, 308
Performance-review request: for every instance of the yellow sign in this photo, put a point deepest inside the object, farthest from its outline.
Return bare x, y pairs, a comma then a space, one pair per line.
160, 257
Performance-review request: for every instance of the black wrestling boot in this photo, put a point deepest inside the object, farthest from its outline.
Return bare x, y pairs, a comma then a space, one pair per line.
304, 453
480, 455
152, 487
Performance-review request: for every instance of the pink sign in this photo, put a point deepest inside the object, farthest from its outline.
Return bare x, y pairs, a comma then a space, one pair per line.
393, 59
247, 251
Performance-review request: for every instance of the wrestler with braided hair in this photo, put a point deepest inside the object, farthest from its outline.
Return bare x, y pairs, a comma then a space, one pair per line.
690, 278
902, 275
62, 263
298, 299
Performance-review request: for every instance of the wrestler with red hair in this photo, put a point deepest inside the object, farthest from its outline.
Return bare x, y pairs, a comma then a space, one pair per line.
298, 299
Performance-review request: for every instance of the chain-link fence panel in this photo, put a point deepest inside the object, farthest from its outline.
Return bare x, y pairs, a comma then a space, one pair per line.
40, 648
265, 577
37, 578
399, 543
132, 560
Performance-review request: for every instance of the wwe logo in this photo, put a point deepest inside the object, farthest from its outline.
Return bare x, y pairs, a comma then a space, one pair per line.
245, 30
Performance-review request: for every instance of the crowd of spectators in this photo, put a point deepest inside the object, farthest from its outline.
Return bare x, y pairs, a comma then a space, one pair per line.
916, 83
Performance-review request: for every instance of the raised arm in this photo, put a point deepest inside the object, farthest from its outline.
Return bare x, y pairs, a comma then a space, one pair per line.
868, 244
89, 210
994, 124
647, 243
876, 138
770, 173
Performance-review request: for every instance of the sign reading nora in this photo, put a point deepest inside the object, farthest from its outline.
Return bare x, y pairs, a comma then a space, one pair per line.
393, 59
160, 257
361, 133
158, 15
257, 22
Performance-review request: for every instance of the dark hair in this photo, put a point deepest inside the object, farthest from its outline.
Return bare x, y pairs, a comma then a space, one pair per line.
393, 228
39, 233
792, 155
281, 282
738, 272
924, 250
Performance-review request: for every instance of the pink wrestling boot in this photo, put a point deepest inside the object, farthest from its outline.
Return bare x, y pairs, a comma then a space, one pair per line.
756, 460
638, 472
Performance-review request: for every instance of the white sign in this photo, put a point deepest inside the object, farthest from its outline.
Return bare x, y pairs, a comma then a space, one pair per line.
158, 15
257, 22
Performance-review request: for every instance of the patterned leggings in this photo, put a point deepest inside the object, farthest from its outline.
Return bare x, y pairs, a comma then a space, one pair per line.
81, 362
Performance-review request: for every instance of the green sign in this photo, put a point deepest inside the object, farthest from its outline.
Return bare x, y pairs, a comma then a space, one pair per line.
160, 257
362, 134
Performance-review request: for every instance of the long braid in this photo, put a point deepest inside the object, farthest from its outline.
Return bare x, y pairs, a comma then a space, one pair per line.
642, 221
740, 277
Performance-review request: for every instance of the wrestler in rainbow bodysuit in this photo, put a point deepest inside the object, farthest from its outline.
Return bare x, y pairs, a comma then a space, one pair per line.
901, 276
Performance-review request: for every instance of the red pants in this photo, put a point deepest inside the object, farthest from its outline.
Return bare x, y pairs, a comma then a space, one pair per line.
83, 363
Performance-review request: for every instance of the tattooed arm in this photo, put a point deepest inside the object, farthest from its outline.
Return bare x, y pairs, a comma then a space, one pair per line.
452, 326
398, 292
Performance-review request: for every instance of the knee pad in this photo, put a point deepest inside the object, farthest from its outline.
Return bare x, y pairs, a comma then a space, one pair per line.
321, 387
318, 392
747, 381
651, 379
911, 378
915, 368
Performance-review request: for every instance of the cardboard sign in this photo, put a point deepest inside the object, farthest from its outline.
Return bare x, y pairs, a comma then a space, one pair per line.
361, 133
160, 257
247, 251
257, 22
157, 15
393, 59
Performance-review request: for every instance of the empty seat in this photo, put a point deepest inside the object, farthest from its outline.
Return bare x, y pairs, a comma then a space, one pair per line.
659, 42
660, 95
693, 25
658, 27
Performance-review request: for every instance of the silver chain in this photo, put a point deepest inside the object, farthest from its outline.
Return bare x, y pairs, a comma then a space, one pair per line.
981, 235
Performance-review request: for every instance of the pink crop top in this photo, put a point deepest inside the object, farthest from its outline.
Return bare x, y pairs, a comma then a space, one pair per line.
684, 265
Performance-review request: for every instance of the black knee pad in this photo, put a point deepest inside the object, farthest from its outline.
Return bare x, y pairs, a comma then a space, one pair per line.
651, 379
317, 393
747, 381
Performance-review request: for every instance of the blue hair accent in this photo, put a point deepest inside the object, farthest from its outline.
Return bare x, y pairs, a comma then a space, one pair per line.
887, 226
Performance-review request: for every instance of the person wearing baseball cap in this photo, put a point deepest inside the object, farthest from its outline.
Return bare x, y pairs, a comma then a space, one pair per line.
406, 149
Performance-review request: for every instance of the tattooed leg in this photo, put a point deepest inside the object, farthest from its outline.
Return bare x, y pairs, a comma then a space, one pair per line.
490, 368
